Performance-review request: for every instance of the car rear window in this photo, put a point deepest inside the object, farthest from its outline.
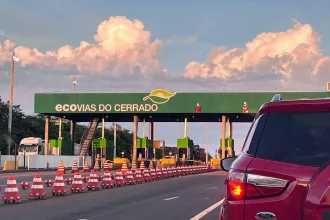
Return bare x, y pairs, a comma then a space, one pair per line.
296, 138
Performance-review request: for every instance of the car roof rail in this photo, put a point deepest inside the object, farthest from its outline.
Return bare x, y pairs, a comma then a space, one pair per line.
276, 98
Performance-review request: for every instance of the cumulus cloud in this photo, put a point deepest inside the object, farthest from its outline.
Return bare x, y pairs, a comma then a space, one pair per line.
291, 54
121, 46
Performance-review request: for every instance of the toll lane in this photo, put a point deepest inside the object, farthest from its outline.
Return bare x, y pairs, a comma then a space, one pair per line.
177, 198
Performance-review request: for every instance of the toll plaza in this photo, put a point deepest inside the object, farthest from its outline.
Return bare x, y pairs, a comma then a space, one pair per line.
158, 105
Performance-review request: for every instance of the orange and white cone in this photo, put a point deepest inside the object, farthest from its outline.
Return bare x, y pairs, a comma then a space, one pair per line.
138, 176
169, 172
107, 181
96, 165
134, 167
93, 181
37, 189
129, 178
159, 173
119, 178
174, 171
11, 193
142, 167
124, 168
165, 173
77, 184
74, 167
153, 173
60, 168
86, 167
59, 188
106, 166
146, 175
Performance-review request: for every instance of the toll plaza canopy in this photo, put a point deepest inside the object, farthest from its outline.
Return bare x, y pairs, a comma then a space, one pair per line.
160, 105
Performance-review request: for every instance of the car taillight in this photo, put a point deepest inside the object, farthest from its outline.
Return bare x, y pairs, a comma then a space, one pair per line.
249, 186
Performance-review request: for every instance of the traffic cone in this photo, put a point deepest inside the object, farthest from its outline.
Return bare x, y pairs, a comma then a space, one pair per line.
106, 166
86, 167
151, 164
146, 175
165, 173
93, 182
169, 172
129, 178
60, 168
133, 166
153, 173
96, 165
124, 168
142, 167
159, 173
74, 167
37, 189
77, 184
11, 191
119, 178
175, 173
59, 188
138, 176
106, 182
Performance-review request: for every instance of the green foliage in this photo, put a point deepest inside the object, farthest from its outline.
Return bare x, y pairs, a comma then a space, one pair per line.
34, 126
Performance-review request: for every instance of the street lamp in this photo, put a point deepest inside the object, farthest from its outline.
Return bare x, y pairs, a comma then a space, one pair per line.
74, 83
11, 92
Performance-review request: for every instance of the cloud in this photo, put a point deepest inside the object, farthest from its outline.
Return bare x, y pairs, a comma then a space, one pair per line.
122, 46
293, 55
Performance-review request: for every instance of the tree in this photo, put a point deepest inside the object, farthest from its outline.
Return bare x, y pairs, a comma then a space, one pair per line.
34, 126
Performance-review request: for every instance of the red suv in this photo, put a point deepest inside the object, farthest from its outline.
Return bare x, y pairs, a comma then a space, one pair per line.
283, 171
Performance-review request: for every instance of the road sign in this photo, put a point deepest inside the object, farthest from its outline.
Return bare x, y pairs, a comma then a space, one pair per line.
328, 86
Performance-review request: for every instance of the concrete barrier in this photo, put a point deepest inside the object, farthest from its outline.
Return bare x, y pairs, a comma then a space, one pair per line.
10, 165
42, 161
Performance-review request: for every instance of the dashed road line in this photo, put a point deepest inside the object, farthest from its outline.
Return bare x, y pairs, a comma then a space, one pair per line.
176, 197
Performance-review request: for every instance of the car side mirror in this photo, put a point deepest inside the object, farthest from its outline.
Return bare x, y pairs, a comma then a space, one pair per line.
227, 162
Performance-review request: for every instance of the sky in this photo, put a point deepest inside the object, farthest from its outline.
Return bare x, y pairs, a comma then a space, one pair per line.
138, 46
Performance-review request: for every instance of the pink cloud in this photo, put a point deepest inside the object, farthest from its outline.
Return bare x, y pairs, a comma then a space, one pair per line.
289, 54
121, 46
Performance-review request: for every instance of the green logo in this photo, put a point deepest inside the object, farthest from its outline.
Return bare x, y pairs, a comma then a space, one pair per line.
159, 96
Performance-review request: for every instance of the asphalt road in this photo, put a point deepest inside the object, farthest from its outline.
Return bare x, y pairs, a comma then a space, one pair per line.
178, 198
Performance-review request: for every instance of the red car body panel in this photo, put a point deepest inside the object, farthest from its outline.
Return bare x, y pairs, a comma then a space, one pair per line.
307, 193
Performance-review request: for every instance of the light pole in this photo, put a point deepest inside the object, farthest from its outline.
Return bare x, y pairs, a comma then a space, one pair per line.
114, 139
74, 83
207, 144
11, 94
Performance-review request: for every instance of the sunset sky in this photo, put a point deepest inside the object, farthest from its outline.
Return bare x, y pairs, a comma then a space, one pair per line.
182, 46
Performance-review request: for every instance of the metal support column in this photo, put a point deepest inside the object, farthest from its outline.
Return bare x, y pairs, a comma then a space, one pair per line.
46, 150
135, 131
152, 138
72, 135
223, 137
185, 128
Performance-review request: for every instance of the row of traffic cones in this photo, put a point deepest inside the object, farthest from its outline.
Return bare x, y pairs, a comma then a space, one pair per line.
86, 167
37, 191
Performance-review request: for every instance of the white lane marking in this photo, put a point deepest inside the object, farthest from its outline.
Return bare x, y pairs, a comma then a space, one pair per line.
176, 197
208, 210
213, 187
